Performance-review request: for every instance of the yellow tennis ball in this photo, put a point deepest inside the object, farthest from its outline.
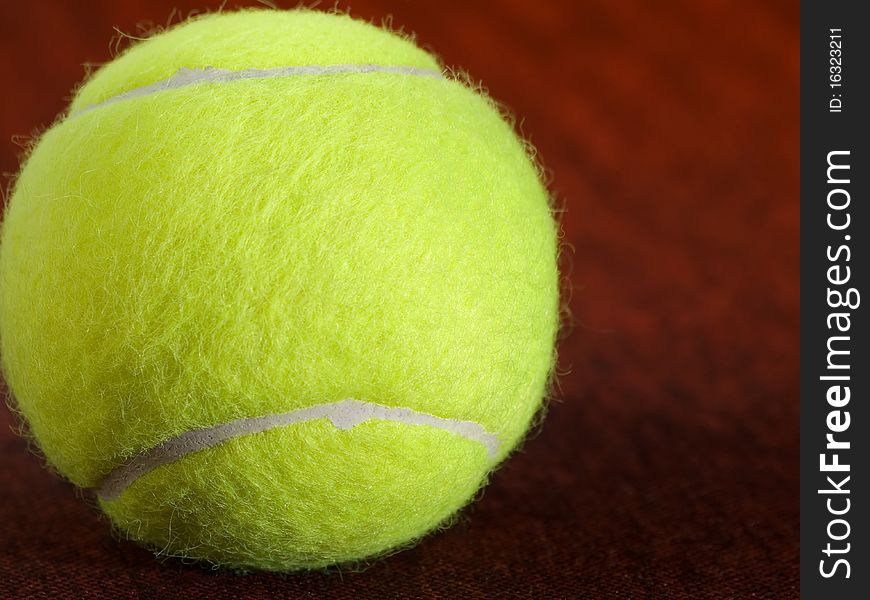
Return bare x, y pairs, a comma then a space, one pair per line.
279, 289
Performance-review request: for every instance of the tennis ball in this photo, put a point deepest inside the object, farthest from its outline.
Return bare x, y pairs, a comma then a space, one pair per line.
279, 290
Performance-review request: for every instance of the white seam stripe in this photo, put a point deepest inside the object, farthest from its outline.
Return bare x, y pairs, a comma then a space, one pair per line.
344, 414
185, 77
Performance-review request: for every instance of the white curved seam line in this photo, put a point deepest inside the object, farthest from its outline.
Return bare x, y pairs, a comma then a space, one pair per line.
344, 414
185, 77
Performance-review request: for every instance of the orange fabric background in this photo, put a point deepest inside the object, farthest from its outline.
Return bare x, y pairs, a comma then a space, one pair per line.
668, 465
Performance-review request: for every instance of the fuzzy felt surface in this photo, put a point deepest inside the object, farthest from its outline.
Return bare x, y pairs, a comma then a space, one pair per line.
232, 250
342, 495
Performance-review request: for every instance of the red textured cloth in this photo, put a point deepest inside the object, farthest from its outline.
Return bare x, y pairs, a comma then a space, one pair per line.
668, 467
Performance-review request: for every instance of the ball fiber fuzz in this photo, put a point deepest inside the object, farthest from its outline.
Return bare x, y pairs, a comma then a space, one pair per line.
279, 289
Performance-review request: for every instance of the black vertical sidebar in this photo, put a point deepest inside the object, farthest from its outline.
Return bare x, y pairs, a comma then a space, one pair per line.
835, 363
